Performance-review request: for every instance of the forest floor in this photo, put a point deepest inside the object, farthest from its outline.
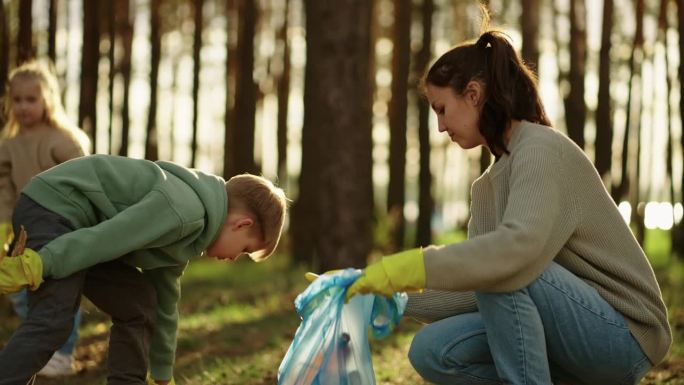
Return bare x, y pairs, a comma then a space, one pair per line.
237, 321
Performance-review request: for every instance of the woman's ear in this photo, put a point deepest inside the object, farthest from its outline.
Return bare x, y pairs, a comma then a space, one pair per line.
474, 93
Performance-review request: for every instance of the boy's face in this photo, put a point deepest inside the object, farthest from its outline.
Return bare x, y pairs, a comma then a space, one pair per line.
238, 236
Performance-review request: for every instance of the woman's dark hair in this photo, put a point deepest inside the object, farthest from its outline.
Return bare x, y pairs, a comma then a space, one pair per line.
510, 87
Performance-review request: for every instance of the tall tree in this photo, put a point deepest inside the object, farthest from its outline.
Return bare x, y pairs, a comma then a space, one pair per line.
401, 53
332, 215
151, 138
229, 116
283, 95
198, 10
529, 20
111, 36
679, 236
25, 50
125, 32
90, 56
575, 107
242, 153
425, 201
4, 56
52, 30
619, 191
604, 110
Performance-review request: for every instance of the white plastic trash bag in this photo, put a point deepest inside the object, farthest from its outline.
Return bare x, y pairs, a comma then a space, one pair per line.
330, 346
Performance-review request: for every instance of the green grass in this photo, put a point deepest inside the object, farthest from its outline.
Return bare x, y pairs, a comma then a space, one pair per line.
237, 321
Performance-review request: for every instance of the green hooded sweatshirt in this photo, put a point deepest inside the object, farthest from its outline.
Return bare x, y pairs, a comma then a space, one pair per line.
153, 215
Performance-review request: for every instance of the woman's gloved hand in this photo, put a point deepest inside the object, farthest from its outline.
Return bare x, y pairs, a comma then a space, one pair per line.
404, 271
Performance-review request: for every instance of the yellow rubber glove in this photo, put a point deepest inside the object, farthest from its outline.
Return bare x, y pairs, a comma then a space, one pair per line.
150, 381
403, 271
24, 268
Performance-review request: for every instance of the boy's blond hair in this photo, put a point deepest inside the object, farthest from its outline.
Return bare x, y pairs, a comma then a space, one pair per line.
55, 116
263, 200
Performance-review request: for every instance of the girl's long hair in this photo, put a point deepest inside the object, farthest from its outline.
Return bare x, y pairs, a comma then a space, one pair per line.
55, 115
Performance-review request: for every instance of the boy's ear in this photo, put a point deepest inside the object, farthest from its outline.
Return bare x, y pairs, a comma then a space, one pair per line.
243, 222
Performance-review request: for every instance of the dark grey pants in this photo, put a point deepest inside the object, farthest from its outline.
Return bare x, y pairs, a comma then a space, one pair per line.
116, 288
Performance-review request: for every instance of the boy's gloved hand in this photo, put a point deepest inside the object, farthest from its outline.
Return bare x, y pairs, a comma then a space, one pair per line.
404, 271
23, 268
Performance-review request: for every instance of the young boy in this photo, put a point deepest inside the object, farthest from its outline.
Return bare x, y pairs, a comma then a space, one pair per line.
121, 231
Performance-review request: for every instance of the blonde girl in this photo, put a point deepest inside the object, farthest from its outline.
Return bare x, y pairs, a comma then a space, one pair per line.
37, 136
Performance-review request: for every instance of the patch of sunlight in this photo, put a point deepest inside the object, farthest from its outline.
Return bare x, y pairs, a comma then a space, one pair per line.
625, 210
237, 313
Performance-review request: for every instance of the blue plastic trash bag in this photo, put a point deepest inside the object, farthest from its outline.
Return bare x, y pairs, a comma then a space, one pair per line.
330, 346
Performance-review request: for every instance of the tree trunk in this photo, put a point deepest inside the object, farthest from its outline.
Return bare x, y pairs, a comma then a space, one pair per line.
112, 72
621, 190
283, 98
242, 153
680, 227
229, 116
4, 57
604, 111
663, 27
151, 137
25, 50
196, 48
332, 216
52, 30
425, 201
398, 104
87, 111
575, 107
125, 31
529, 20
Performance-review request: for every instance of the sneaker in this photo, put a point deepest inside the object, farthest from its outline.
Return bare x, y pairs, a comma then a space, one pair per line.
59, 365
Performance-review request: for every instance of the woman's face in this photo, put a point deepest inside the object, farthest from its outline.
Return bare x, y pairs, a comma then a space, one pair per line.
458, 115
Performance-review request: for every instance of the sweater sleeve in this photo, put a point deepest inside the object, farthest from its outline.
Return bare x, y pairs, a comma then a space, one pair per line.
130, 230
534, 227
65, 147
163, 346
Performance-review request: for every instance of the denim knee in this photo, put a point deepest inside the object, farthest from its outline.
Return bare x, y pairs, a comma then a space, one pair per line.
420, 354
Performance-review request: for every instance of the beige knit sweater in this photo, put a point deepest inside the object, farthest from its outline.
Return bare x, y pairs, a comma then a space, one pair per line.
30, 153
545, 202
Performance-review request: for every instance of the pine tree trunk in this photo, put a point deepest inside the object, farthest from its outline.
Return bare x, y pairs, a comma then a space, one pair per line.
529, 21
332, 216
398, 104
283, 98
625, 185
604, 110
112, 72
52, 30
242, 154
575, 107
25, 50
4, 56
151, 137
680, 227
425, 201
196, 48
229, 116
125, 31
87, 111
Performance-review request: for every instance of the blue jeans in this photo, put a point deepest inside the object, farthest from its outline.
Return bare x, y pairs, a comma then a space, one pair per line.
556, 329
20, 304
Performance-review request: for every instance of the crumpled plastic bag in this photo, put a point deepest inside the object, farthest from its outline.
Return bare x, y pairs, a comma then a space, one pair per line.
331, 346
